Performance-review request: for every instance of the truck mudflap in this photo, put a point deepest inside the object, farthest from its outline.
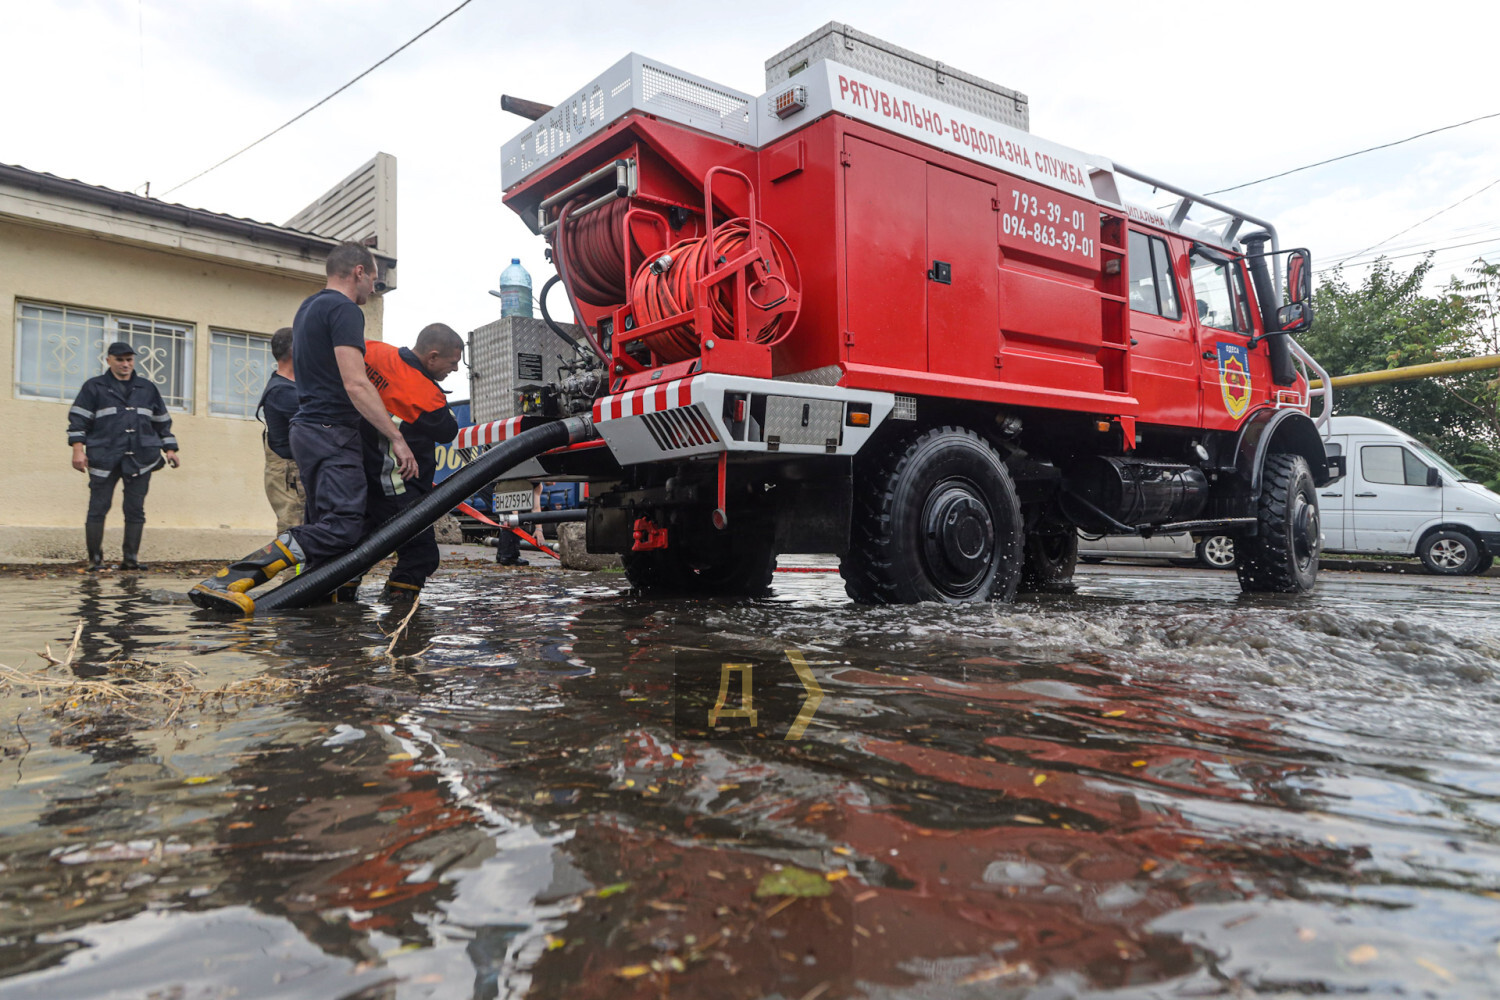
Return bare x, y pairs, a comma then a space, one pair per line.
712, 413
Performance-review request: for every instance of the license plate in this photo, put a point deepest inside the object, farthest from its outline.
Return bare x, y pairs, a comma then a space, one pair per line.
519, 500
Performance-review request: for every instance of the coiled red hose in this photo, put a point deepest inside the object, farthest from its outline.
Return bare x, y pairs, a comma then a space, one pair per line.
661, 290
591, 252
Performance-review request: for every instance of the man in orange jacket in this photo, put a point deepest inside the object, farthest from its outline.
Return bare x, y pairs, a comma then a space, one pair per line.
407, 379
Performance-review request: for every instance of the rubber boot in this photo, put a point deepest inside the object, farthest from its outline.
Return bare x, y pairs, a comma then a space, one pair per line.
508, 549
395, 591
347, 592
131, 546
93, 537
227, 590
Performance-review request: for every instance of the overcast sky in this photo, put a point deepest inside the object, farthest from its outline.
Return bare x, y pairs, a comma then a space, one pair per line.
118, 92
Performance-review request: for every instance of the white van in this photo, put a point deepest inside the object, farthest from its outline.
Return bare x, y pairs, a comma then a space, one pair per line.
1399, 498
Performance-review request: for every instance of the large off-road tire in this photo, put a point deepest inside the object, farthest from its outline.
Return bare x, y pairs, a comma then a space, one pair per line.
936, 518
1050, 557
1450, 553
1282, 557
725, 565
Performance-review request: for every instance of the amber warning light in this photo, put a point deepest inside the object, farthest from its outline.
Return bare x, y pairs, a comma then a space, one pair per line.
789, 102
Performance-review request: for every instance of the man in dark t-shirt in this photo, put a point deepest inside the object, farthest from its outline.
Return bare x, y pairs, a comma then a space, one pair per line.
277, 406
334, 396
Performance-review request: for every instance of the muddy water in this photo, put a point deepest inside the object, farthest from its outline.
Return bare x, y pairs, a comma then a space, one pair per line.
1152, 787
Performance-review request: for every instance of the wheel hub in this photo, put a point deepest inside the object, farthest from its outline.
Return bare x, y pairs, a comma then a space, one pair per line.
1219, 550
1307, 534
958, 538
1449, 553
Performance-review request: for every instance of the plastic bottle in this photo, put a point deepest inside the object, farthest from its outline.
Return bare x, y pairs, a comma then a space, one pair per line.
515, 290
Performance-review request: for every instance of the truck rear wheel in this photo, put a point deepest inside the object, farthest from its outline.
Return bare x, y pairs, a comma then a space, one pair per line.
936, 519
1050, 559
729, 565
1282, 557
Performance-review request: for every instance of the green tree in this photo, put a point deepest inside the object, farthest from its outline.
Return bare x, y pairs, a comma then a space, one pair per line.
1388, 322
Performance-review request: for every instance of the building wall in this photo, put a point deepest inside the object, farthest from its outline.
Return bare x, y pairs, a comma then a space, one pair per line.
214, 506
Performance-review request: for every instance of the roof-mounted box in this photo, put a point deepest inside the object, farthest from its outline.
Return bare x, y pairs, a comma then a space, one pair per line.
857, 50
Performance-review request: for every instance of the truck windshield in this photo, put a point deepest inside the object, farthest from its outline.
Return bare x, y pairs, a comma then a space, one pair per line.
1428, 456
1221, 296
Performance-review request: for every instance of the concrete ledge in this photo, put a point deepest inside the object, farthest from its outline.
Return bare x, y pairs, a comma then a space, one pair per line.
22, 544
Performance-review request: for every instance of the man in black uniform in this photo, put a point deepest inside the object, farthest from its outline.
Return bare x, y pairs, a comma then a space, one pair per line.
277, 407
328, 346
119, 429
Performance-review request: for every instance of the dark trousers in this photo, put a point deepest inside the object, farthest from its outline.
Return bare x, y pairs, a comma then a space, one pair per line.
102, 495
333, 478
417, 559
507, 547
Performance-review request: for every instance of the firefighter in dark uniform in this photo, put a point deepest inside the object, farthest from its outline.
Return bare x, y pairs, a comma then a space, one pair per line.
120, 430
407, 380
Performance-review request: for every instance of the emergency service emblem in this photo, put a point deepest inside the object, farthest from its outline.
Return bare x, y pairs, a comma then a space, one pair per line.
1234, 378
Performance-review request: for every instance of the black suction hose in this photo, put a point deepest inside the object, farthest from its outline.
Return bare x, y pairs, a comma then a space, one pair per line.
552, 323
324, 578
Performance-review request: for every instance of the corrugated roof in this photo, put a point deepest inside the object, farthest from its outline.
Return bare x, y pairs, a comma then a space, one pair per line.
155, 208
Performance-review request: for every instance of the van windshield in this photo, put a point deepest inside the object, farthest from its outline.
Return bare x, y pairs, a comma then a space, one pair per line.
1428, 456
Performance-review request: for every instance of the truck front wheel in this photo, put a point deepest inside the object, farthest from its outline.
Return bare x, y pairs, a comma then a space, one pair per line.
936, 518
1282, 557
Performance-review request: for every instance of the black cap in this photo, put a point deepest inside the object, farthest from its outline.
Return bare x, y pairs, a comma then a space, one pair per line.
119, 349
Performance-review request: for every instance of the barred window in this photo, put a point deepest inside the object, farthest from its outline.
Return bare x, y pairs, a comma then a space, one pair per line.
58, 348
238, 366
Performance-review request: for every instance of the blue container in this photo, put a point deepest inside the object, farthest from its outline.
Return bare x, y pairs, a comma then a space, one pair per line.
515, 290
561, 496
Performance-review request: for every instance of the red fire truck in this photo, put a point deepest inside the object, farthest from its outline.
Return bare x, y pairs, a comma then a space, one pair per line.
856, 316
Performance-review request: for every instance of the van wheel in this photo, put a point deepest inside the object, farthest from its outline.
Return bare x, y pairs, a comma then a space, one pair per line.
1449, 553
936, 518
1050, 559
1282, 557
1217, 551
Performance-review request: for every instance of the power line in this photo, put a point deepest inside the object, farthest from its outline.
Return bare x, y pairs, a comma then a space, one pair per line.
1434, 215
1358, 152
1415, 253
324, 101
1436, 243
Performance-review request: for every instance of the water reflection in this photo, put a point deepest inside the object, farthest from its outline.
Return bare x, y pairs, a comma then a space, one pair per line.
1083, 794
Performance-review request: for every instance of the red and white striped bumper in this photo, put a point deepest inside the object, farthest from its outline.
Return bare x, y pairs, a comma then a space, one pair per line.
697, 416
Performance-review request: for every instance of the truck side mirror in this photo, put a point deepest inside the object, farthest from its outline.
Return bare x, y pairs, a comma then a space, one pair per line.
1299, 277
1434, 478
1294, 317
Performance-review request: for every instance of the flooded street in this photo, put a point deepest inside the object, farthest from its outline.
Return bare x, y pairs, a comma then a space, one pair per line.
1153, 787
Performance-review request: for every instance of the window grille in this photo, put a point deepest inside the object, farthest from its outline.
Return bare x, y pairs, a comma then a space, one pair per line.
238, 366
58, 348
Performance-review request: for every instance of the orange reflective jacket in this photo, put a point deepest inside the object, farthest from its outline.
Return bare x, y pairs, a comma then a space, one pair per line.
406, 392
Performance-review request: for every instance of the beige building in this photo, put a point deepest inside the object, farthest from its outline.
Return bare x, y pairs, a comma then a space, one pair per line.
198, 294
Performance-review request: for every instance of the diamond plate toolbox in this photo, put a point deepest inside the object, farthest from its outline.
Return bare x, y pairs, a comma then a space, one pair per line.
509, 355
794, 420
